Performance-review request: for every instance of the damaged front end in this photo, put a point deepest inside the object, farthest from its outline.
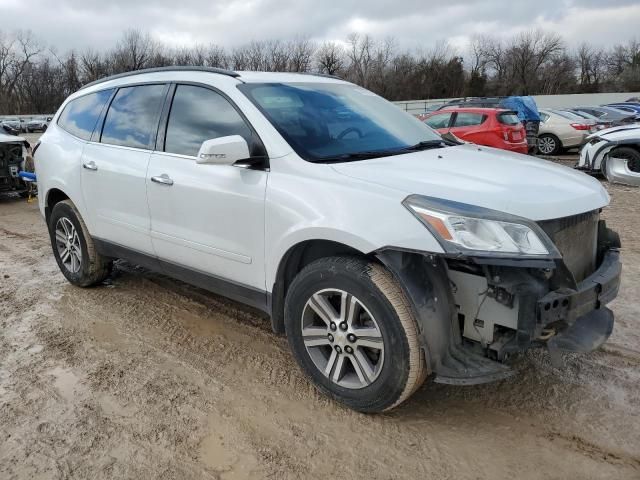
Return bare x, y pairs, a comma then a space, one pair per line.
476, 310
614, 153
13, 156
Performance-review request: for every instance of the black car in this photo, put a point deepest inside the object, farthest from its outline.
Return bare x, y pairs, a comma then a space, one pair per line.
611, 115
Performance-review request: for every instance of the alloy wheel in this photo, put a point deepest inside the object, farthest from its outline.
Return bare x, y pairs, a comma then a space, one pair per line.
68, 245
546, 145
342, 338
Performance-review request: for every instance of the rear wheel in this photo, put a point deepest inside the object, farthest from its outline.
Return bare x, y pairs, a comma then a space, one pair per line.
73, 247
352, 331
549, 144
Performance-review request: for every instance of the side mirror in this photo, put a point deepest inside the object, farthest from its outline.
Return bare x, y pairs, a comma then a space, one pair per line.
223, 150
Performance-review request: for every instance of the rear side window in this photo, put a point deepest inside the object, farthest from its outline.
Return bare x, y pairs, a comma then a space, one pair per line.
468, 119
439, 121
80, 115
199, 114
132, 119
508, 118
544, 117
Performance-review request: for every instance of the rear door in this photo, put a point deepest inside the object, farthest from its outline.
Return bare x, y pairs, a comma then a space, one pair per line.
207, 218
114, 167
469, 126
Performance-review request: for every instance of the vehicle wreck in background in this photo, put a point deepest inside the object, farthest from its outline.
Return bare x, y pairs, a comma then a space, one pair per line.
615, 153
14, 158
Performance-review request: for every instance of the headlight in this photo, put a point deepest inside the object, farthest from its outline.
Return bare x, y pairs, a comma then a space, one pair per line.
461, 227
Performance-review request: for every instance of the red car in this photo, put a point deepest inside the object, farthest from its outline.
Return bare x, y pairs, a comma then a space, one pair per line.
492, 127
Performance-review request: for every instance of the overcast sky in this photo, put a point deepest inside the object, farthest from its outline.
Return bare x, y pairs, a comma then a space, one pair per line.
413, 23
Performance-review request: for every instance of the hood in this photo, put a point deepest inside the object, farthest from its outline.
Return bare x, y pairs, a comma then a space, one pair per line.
618, 133
491, 178
10, 139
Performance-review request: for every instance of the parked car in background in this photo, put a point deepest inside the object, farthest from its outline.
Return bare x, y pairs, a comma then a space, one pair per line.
615, 153
37, 124
557, 132
491, 127
8, 128
609, 114
385, 253
599, 123
15, 123
630, 107
524, 106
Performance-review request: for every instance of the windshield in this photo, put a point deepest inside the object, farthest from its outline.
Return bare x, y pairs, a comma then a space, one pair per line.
338, 122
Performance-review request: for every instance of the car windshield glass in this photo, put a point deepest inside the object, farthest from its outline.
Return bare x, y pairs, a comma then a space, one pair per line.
339, 122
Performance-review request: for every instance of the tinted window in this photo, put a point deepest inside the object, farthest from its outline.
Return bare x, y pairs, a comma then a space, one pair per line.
544, 117
439, 121
468, 119
508, 118
132, 119
79, 117
199, 114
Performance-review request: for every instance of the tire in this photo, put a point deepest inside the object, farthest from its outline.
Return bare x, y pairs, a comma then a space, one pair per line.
86, 269
549, 144
390, 360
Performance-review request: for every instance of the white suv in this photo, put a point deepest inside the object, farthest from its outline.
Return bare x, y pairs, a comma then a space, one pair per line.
384, 252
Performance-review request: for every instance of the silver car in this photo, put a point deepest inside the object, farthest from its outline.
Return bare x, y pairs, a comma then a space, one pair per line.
560, 131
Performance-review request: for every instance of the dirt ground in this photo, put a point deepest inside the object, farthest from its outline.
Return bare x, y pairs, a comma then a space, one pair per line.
145, 377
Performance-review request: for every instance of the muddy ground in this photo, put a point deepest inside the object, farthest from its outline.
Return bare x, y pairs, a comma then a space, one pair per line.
148, 378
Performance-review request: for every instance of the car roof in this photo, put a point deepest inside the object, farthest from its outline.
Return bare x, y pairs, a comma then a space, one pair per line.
186, 73
486, 110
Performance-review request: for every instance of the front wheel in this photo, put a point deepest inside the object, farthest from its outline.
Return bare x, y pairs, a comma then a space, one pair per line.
73, 247
352, 331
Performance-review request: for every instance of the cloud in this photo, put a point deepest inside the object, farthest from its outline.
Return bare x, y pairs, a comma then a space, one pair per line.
98, 24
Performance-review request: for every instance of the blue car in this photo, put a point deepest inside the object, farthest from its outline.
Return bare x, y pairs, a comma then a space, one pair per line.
630, 107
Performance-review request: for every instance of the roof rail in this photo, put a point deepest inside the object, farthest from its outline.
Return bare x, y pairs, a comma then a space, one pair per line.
220, 71
326, 75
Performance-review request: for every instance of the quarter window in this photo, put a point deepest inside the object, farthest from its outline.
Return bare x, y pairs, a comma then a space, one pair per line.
468, 119
80, 115
132, 119
439, 121
199, 114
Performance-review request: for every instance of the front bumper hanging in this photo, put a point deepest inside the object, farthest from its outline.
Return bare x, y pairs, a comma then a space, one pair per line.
588, 323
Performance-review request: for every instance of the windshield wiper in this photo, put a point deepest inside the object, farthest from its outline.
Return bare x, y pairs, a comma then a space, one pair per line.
351, 157
427, 144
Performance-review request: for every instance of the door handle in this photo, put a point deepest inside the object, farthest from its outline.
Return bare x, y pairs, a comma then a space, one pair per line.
164, 179
90, 165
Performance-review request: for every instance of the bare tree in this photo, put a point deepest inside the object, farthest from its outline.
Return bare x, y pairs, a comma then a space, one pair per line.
301, 56
16, 53
134, 51
330, 58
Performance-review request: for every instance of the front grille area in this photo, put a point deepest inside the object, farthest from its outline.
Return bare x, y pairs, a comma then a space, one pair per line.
577, 239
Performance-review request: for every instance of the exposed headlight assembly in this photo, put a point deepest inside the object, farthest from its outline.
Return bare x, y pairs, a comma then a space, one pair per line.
463, 228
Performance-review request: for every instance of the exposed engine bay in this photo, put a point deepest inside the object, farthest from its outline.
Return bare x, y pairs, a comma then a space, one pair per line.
504, 306
14, 156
